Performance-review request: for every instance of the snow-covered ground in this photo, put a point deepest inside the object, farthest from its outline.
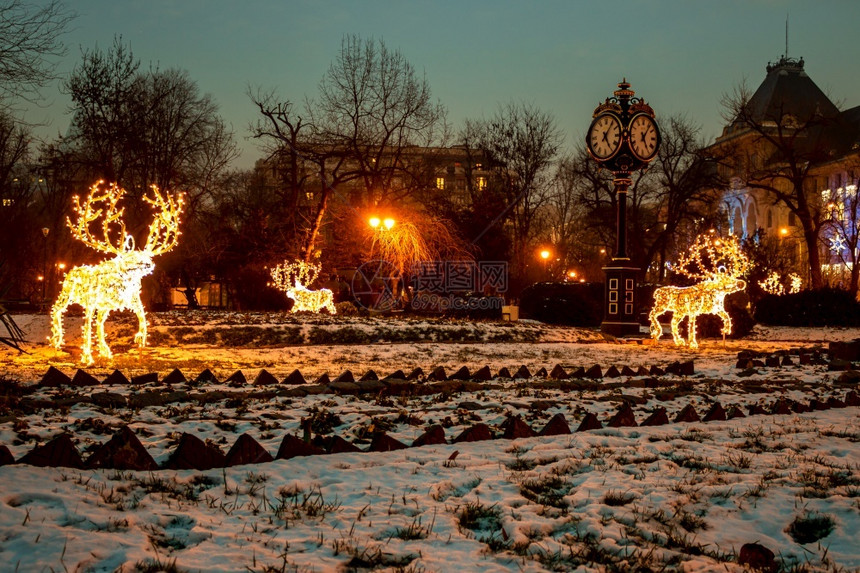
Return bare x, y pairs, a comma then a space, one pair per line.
682, 496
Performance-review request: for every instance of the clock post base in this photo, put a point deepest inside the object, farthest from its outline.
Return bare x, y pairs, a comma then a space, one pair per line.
621, 301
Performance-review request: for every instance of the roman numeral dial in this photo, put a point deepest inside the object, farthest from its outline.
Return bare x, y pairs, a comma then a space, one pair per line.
604, 136
644, 139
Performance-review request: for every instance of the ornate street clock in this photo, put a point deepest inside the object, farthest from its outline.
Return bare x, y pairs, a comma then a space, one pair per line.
623, 137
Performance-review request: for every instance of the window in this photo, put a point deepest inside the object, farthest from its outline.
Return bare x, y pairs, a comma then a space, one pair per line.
792, 220
8, 202
482, 183
769, 218
478, 167
440, 183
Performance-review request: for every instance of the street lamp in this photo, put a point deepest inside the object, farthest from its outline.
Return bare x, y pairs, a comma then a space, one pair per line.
545, 254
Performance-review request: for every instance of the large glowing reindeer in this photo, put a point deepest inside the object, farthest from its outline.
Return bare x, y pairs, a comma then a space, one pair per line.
292, 278
113, 284
719, 263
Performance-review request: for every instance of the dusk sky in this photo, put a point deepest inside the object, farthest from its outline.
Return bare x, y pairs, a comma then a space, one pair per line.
564, 56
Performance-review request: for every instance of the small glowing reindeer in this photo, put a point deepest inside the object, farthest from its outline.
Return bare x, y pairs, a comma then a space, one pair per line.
719, 263
113, 284
291, 278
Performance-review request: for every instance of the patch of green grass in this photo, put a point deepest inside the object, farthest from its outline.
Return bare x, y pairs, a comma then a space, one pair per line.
479, 517
810, 527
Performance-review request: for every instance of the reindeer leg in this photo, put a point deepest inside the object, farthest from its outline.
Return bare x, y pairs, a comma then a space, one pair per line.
656, 327
676, 320
57, 313
727, 322
101, 317
691, 332
86, 337
140, 337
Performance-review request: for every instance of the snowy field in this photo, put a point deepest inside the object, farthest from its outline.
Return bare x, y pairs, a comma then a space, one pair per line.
682, 496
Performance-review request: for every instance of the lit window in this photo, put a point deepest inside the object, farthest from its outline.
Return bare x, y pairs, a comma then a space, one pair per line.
482, 183
440, 183
309, 195
478, 166
8, 202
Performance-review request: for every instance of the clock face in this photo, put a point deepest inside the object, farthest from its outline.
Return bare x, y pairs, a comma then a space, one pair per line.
604, 136
644, 138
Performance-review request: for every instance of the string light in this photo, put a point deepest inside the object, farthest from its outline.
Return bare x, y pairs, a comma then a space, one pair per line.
113, 284
719, 263
772, 284
291, 278
794, 283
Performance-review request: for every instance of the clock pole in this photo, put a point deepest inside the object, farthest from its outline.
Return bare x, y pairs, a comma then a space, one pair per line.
631, 151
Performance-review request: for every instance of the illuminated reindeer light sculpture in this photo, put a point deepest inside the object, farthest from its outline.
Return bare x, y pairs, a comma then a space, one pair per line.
719, 263
113, 284
291, 278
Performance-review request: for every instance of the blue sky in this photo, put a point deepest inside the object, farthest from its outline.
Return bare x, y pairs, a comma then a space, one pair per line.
563, 56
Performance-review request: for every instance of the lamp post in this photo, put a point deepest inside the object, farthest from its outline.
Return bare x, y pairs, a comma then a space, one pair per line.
545, 255
45, 231
622, 138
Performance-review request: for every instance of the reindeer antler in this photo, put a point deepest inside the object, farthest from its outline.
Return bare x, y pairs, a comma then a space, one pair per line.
710, 256
287, 275
109, 213
164, 229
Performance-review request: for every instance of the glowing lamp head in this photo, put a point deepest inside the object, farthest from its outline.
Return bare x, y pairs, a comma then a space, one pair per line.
783, 231
374, 222
388, 222
544, 254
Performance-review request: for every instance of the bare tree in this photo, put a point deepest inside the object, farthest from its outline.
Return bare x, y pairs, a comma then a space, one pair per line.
519, 143
139, 128
371, 111
29, 43
374, 107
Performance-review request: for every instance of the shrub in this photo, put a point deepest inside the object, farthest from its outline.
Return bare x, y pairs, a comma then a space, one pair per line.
576, 304
823, 307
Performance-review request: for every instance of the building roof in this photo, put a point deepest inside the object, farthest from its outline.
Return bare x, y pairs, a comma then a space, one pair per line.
787, 89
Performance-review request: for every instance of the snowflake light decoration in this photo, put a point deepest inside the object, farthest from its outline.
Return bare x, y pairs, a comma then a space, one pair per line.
838, 244
719, 263
113, 284
291, 278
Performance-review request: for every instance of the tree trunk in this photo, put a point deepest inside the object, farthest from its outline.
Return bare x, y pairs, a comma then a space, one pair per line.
810, 236
313, 232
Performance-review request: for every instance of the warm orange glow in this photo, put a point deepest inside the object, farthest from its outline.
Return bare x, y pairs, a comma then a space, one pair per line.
545, 254
720, 263
388, 222
61, 266
113, 284
40, 278
783, 231
374, 222
572, 274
